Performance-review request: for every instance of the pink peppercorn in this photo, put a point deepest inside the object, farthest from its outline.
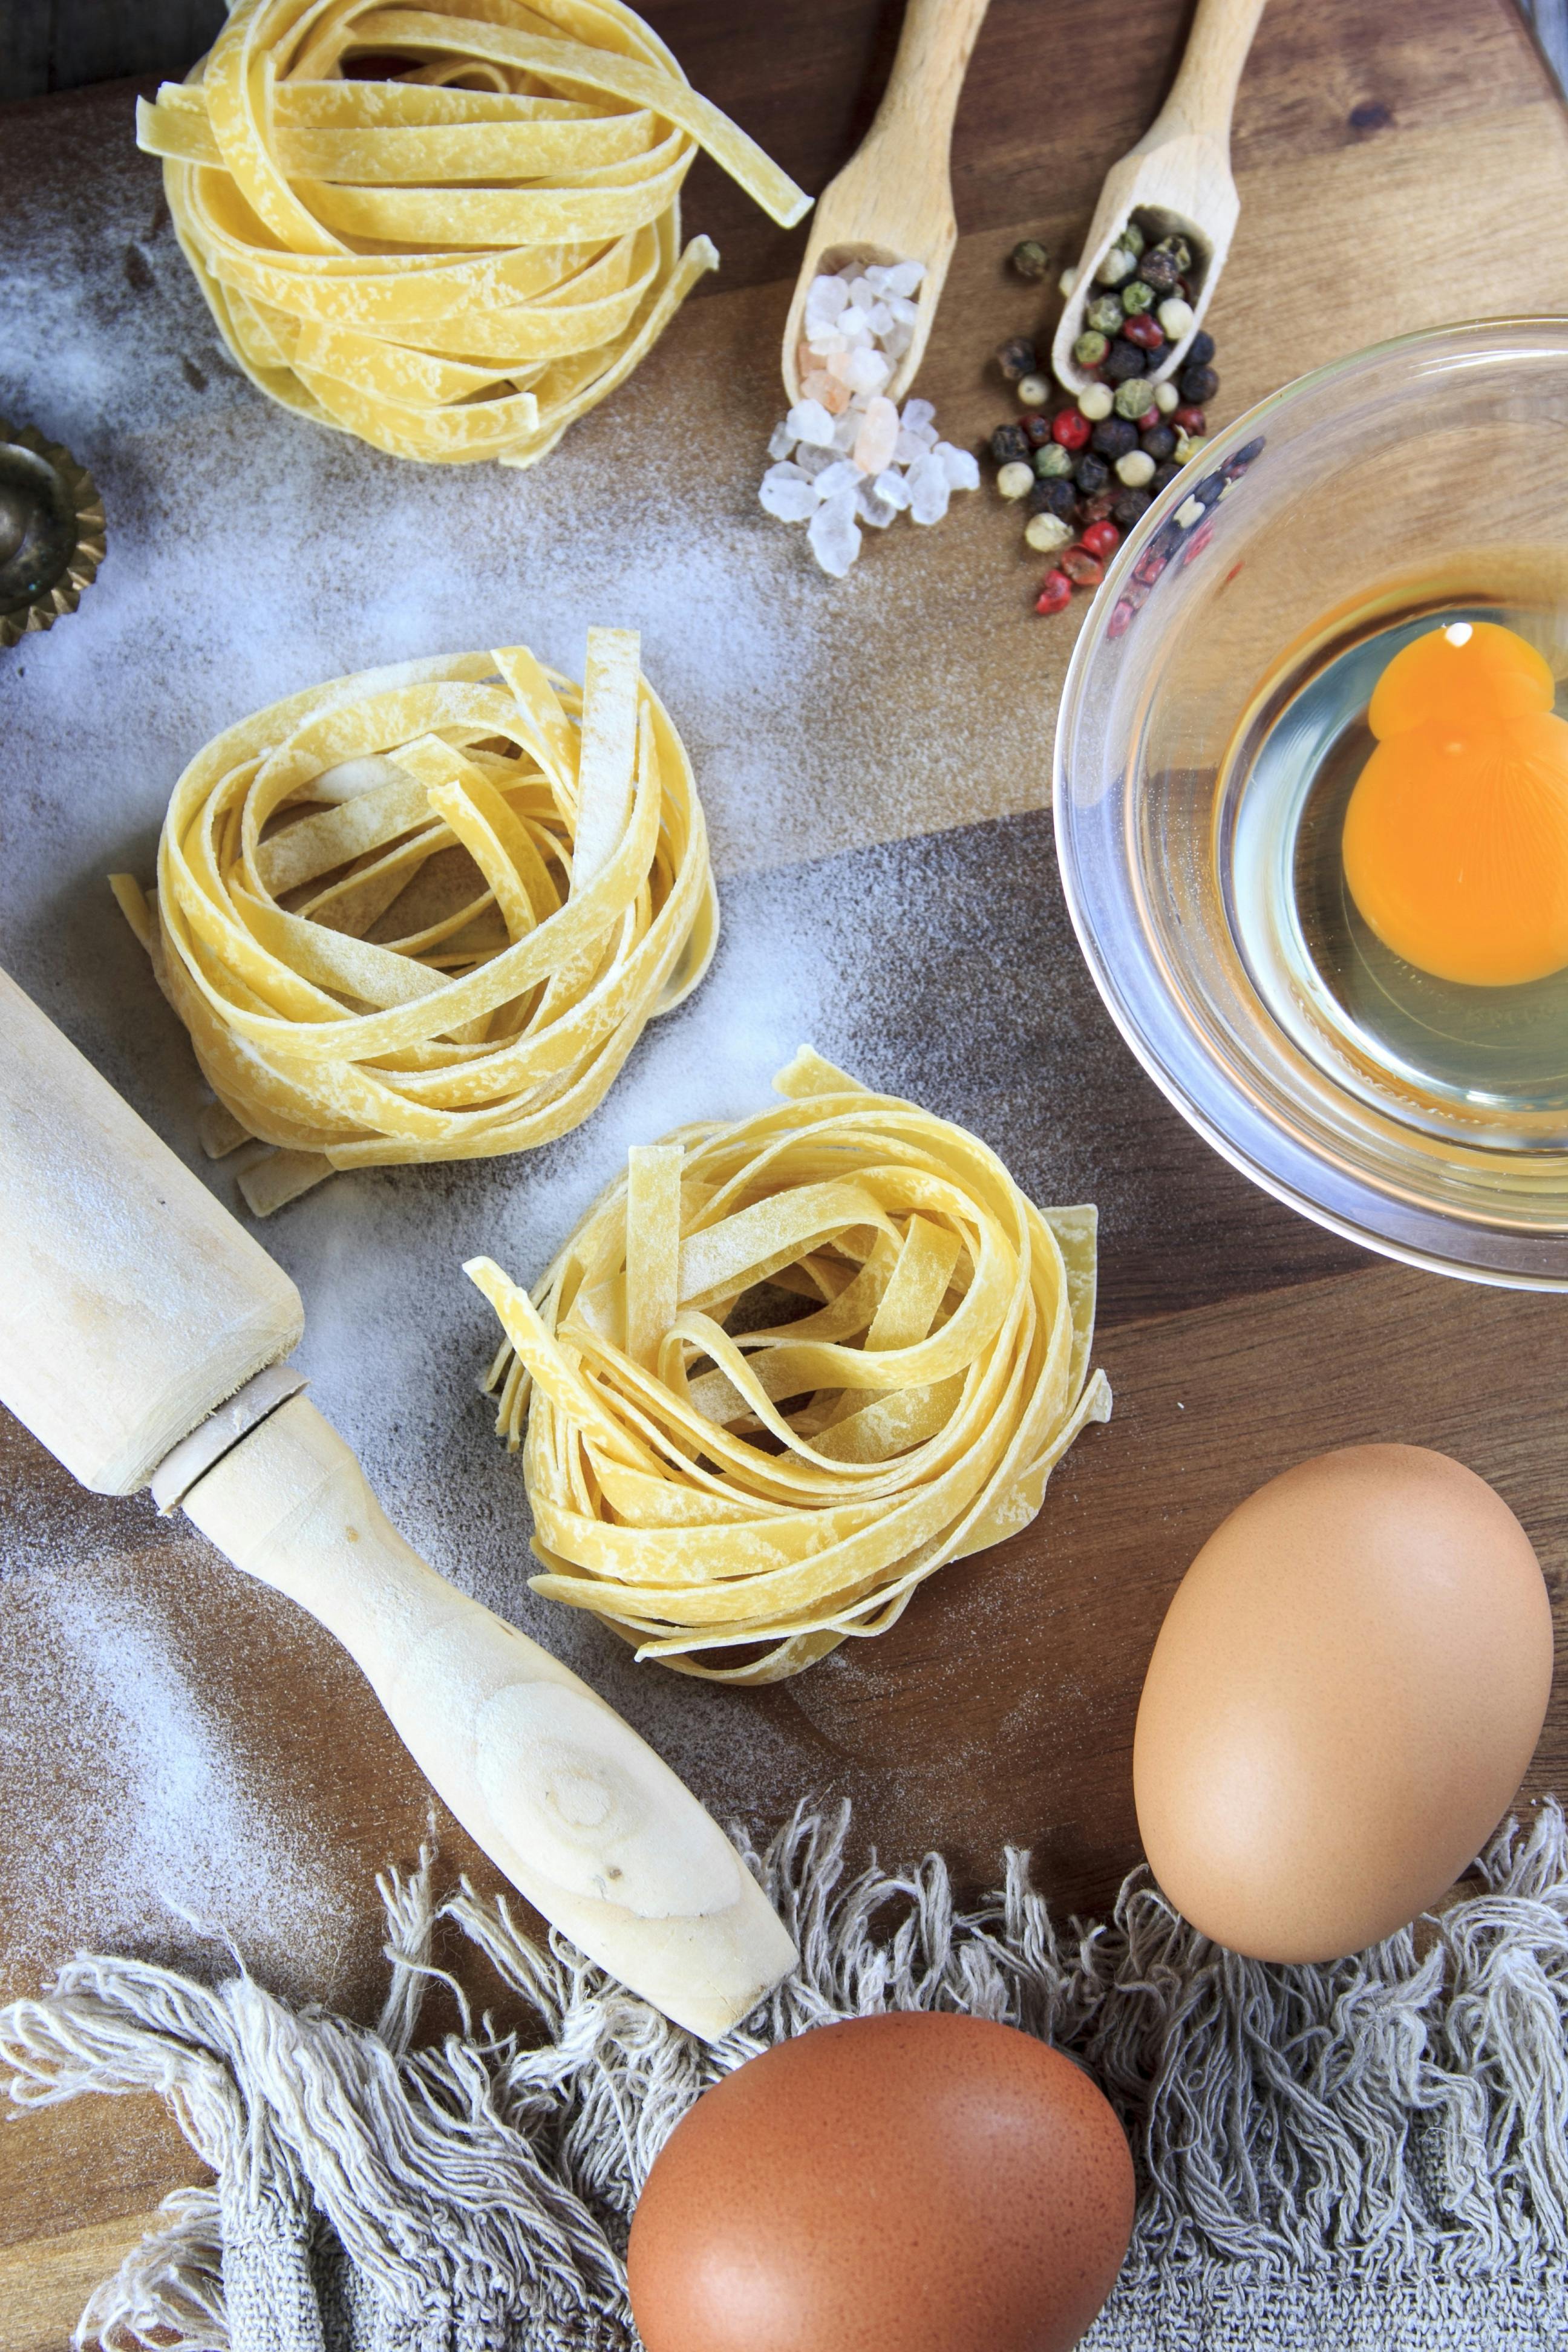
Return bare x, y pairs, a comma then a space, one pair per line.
1143, 331
1189, 419
1071, 428
1056, 589
1102, 539
1085, 570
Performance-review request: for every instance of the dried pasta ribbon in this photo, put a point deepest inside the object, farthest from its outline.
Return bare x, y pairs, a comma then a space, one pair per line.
456, 263
425, 912
787, 1368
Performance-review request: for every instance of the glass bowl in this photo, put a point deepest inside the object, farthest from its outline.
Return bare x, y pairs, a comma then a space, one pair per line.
1425, 480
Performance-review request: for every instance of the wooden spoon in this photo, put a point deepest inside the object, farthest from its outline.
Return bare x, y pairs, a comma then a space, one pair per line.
893, 199
1178, 176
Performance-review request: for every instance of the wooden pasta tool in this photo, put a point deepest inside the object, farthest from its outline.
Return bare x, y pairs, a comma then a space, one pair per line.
142, 1334
1178, 175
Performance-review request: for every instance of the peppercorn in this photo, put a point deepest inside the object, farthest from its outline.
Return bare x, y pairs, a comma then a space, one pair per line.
1200, 350
1052, 461
1159, 271
1085, 570
1090, 348
1053, 498
1056, 589
1199, 386
1164, 476
1137, 296
1115, 437
1101, 539
1188, 419
1036, 429
1069, 426
1187, 446
1090, 474
1131, 507
1016, 357
1158, 441
1175, 317
1135, 398
1010, 441
1149, 566
1104, 314
1119, 263
1136, 469
1096, 401
1133, 238
1180, 251
1166, 397
1030, 258
1145, 332
1125, 360
1015, 478
1094, 509
1044, 532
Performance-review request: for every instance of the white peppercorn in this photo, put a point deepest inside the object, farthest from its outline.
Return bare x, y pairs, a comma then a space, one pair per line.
1096, 402
1135, 468
1066, 283
1118, 264
1045, 532
1176, 316
1015, 479
1034, 391
1166, 397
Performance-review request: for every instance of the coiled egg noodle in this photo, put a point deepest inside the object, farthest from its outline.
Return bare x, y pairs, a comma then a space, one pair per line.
425, 912
709, 1470
456, 261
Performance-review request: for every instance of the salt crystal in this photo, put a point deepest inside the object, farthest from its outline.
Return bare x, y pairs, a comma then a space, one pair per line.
928, 489
782, 443
896, 341
905, 279
851, 320
862, 291
960, 466
878, 436
839, 364
810, 423
847, 431
866, 370
892, 490
843, 475
905, 313
908, 448
877, 277
916, 413
830, 390
825, 297
878, 318
787, 493
835, 534
877, 512
812, 460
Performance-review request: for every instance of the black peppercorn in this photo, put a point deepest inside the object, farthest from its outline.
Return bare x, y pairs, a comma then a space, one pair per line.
1200, 350
1009, 442
1163, 475
1130, 507
1180, 251
1159, 441
1124, 360
1016, 357
1056, 498
1159, 271
1114, 437
1197, 386
1090, 474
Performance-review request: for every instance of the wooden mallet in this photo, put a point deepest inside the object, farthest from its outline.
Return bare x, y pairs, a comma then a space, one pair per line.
143, 1338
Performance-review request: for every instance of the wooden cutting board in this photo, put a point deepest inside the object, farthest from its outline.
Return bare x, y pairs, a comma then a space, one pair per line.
1397, 168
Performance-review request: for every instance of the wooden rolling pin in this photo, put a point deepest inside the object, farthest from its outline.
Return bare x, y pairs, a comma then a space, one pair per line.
141, 1338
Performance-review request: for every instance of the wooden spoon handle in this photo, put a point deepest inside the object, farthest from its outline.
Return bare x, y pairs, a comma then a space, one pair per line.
922, 97
579, 1813
1204, 94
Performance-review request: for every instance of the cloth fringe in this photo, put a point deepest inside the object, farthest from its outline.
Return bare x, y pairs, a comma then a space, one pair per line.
1371, 2152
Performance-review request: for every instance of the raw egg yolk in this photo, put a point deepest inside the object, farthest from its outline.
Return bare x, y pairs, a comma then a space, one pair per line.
1456, 839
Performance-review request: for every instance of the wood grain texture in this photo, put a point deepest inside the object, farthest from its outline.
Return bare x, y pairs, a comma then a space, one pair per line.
1387, 161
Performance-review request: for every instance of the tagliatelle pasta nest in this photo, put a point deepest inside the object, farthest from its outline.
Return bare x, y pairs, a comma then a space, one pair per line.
423, 913
456, 260
707, 1469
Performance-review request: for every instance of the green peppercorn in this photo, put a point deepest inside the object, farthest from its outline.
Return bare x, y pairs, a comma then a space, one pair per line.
1090, 348
1135, 398
1052, 462
1137, 297
1133, 238
1030, 258
1104, 314
1118, 264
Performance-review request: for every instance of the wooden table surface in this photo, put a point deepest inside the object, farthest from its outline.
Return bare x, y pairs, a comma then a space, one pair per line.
1398, 167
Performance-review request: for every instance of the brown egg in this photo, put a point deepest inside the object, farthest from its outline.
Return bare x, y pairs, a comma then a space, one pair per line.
906, 2183
1342, 1703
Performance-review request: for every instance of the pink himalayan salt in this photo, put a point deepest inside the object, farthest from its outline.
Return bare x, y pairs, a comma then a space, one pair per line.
875, 442
833, 394
838, 365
